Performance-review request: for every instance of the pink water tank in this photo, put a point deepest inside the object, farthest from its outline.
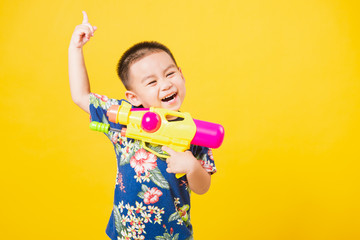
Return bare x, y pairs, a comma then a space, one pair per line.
208, 134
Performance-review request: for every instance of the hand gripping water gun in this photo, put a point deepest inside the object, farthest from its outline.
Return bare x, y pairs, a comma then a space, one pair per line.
151, 125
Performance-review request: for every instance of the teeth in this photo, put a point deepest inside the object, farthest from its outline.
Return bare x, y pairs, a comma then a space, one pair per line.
168, 98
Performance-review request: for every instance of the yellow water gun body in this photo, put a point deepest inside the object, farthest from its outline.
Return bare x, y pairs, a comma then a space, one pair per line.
151, 125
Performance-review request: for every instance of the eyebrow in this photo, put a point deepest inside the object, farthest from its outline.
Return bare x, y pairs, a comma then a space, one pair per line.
153, 75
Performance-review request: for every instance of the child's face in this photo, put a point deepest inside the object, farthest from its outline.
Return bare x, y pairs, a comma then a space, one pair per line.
155, 81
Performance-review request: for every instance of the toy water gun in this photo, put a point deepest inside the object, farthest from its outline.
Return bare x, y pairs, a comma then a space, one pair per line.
151, 125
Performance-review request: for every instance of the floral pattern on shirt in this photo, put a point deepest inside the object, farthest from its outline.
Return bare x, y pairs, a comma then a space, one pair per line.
149, 203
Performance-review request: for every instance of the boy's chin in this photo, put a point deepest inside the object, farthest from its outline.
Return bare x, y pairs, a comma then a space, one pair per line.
172, 107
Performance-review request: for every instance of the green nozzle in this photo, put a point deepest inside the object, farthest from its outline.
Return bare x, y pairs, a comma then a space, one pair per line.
100, 127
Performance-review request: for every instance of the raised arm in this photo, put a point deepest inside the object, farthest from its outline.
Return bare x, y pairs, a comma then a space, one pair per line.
79, 81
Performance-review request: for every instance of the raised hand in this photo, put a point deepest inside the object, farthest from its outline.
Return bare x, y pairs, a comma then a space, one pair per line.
82, 32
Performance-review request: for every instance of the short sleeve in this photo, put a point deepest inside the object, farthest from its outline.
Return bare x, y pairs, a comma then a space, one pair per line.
205, 156
98, 105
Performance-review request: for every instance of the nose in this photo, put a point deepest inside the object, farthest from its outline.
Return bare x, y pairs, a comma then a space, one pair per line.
166, 84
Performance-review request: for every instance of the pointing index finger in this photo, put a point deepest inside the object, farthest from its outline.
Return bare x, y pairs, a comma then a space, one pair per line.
85, 18
168, 150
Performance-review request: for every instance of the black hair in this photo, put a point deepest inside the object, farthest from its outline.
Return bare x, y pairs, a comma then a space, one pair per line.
135, 53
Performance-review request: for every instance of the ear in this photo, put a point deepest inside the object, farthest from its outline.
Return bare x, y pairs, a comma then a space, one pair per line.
181, 74
132, 98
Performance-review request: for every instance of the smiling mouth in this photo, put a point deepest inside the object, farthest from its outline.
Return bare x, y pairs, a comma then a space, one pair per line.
169, 98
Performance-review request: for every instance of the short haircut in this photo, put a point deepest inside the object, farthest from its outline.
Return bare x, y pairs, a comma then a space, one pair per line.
134, 54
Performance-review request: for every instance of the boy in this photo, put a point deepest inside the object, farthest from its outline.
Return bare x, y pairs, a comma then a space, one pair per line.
150, 202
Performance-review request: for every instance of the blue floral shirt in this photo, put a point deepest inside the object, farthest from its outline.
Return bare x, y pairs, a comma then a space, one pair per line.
149, 203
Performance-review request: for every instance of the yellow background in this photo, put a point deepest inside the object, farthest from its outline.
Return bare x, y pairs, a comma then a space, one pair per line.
283, 77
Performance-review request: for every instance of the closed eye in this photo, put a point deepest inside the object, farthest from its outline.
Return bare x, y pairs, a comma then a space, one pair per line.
151, 83
170, 74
